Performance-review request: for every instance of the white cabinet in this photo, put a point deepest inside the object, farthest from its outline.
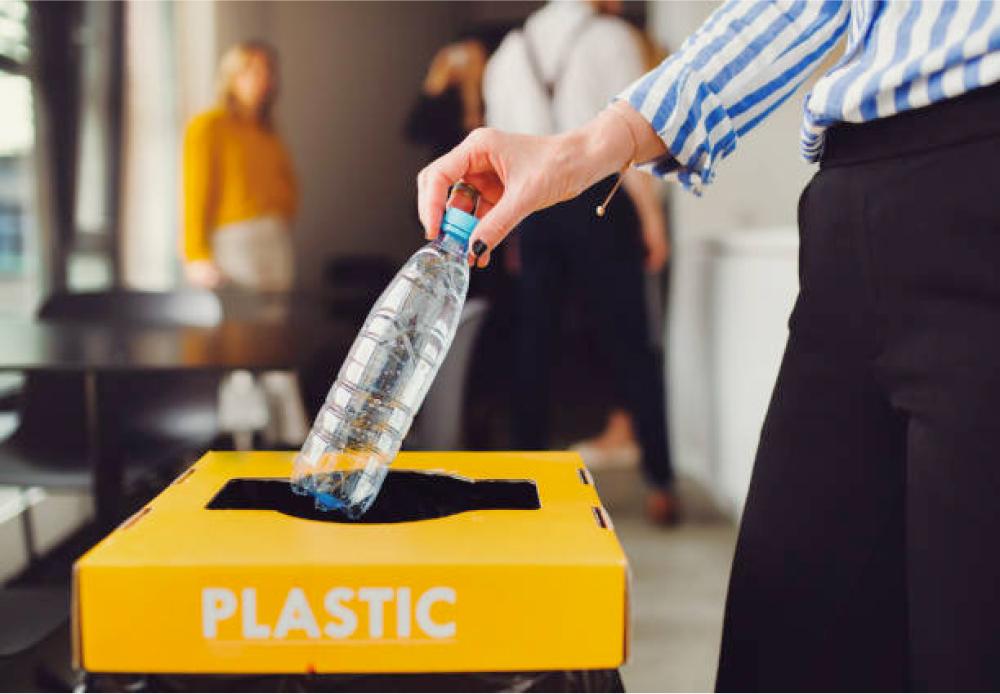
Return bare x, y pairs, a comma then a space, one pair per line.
730, 300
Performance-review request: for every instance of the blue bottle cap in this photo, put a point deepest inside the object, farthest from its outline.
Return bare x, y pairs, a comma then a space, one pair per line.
458, 224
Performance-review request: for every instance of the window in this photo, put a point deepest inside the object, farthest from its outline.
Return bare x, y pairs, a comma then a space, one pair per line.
90, 260
14, 31
18, 272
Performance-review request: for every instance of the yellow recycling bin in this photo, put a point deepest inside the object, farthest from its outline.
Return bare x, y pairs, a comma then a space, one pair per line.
469, 562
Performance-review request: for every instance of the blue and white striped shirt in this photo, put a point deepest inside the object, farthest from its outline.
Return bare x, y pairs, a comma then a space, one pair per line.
751, 55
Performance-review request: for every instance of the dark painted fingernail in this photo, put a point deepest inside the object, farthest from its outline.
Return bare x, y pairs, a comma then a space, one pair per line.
478, 248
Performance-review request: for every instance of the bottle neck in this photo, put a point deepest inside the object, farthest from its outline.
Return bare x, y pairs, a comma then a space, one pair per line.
452, 245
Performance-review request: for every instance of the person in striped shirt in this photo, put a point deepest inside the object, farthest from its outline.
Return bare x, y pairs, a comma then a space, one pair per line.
866, 557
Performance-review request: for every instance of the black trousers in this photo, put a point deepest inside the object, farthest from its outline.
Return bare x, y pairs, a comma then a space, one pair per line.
869, 551
568, 245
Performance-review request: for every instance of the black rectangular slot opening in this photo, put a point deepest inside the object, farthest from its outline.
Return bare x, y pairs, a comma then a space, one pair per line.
406, 496
599, 517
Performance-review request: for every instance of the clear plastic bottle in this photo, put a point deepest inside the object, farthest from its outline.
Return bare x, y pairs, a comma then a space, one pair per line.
389, 369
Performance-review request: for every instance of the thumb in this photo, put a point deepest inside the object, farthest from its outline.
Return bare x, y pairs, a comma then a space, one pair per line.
436, 179
494, 227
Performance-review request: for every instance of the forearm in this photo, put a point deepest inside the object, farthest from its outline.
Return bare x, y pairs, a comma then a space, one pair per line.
648, 147
194, 236
615, 139
197, 186
195, 246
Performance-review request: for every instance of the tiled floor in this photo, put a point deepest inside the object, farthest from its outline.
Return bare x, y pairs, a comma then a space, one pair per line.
678, 587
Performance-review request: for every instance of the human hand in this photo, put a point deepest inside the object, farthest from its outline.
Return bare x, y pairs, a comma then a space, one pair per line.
203, 274
519, 174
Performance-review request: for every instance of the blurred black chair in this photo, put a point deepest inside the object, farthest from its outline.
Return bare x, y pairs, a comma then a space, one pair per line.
354, 282
169, 412
10, 392
152, 419
439, 425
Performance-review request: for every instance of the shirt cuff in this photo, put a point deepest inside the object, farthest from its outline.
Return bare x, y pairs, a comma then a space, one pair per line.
685, 115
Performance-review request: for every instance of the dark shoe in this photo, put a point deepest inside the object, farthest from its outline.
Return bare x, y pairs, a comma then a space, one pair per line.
662, 508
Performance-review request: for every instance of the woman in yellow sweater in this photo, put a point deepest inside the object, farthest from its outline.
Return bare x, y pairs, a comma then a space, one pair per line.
239, 185
239, 199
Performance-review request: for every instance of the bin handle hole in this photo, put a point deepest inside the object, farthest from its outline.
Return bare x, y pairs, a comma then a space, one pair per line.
136, 517
184, 475
599, 516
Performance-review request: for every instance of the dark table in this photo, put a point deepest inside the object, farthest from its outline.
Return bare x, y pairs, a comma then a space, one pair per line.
287, 341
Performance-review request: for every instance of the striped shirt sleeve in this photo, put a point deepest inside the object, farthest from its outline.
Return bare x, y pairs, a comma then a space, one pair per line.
734, 71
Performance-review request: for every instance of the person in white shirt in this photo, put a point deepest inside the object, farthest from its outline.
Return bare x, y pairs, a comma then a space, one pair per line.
563, 67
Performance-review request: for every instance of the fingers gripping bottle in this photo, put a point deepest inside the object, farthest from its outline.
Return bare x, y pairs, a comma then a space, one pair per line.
389, 369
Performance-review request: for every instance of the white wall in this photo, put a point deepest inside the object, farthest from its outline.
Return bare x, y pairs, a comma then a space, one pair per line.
239, 20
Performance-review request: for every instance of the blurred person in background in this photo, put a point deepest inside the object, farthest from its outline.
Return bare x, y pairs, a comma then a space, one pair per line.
448, 107
565, 64
616, 445
239, 199
239, 183
450, 103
